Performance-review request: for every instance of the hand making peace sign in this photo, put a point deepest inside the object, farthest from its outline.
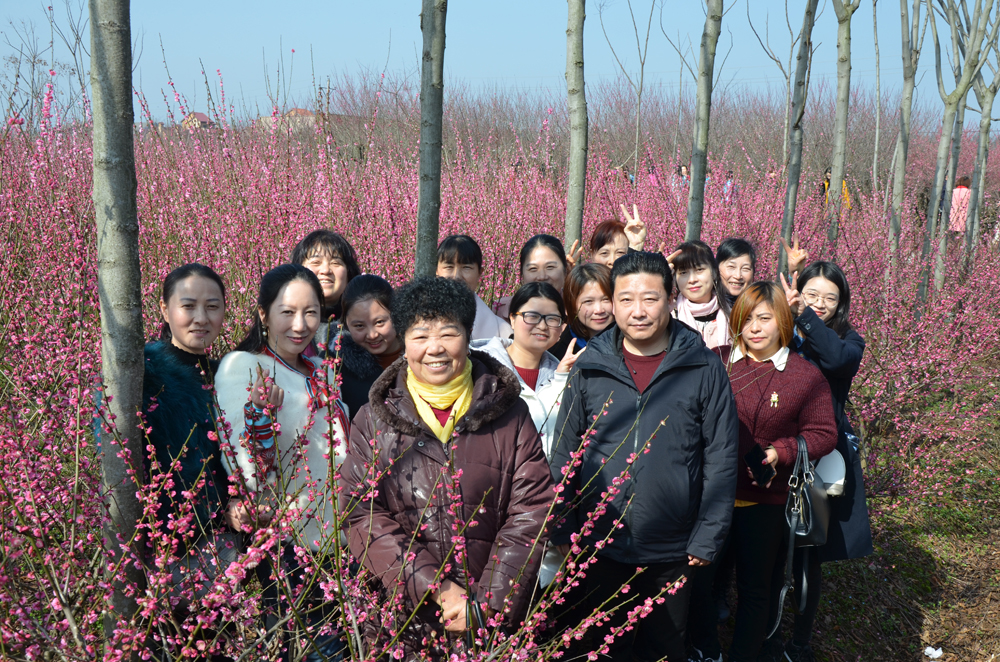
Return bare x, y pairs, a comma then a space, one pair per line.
797, 257
635, 228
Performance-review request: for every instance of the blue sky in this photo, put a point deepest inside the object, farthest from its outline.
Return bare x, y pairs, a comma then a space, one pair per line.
515, 43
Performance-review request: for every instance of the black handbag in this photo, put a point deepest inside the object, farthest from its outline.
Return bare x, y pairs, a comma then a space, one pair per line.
807, 512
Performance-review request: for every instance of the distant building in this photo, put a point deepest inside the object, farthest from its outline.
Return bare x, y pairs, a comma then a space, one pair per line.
197, 121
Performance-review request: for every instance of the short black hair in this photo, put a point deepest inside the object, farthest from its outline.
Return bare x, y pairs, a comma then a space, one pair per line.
330, 243
735, 247
534, 290
460, 249
433, 298
643, 262
366, 287
831, 271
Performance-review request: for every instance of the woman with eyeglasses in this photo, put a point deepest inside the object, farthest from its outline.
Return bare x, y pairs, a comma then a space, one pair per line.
539, 319
821, 303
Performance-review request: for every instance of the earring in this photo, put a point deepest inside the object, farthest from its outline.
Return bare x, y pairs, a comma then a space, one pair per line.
265, 332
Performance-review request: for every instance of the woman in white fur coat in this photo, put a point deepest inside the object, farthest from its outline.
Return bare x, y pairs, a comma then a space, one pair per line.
288, 429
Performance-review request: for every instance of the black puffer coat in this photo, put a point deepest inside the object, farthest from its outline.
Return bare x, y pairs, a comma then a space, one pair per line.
682, 491
503, 468
839, 359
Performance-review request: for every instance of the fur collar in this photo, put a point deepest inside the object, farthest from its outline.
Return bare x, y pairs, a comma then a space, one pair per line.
495, 389
357, 359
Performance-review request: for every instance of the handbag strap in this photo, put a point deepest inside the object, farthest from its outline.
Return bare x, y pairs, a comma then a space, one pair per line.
801, 474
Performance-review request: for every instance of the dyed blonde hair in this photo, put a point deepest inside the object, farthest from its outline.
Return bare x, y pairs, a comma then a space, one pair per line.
758, 293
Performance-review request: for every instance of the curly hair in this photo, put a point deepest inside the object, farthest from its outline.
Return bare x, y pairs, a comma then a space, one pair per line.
430, 298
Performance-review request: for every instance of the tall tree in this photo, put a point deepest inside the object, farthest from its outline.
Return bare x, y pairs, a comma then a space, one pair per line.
803, 62
432, 20
576, 98
985, 94
981, 30
844, 12
703, 112
118, 285
912, 43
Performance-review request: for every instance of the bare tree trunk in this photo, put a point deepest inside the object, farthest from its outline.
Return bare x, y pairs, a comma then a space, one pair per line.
432, 21
980, 31
703, 112
844, 12
979, 174
576, 97
878, 100
911, 44
951, 174
119, 289
803, 62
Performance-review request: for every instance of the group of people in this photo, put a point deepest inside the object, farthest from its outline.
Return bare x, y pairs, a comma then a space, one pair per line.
603, 411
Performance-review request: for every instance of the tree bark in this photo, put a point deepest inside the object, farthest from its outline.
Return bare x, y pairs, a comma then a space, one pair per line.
119, 290
978, 176
432, 22
911, 44
878, 100
803, 62
576, 98
951, 174
703, 112
844, 12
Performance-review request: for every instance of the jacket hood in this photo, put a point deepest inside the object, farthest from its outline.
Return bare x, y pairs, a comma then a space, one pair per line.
604, 352
357, 359
495, 389
497, 348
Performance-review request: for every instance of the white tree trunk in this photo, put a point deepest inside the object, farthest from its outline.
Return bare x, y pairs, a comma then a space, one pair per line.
934, 205
838, 163
576, 98
432, 22
911, 43
119, 288
951, 174
703, 112
878, 99
979, 176
798, 111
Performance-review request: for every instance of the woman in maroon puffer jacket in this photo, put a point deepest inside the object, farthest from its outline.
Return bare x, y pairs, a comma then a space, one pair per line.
444, 424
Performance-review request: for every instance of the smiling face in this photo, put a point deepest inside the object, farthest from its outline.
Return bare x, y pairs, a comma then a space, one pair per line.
737, 273
544, 266
608, 253
436, 350
695, 284
292, 321
595, 309
538, 337
822, 296
331, 272
642, 312
469, 273
370, 326
194, 313
761, 335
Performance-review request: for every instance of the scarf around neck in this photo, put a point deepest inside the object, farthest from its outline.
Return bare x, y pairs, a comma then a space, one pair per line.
687, 311
455, 395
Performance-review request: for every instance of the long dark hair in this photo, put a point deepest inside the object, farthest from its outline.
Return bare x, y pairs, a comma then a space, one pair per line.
176, 276
833, 273
694, 253
270, 286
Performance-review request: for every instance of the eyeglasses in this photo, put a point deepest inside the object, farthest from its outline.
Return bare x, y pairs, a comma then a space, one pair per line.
532, 318
812, 298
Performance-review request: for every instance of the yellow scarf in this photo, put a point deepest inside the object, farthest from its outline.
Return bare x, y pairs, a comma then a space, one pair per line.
456, 394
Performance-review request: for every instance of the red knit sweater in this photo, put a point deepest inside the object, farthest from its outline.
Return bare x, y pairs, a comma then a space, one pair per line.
803, 407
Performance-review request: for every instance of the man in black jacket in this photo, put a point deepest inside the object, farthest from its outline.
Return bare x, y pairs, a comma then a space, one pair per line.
656, 411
